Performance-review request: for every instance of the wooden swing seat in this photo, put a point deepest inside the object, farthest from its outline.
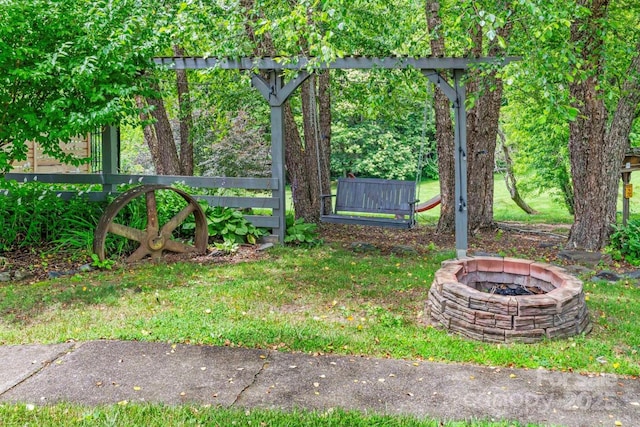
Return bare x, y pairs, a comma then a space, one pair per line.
358, 196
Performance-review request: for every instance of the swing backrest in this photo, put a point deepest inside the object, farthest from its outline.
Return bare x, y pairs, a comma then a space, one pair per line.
370, 195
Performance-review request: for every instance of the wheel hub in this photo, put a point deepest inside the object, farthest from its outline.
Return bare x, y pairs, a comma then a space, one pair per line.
156, 243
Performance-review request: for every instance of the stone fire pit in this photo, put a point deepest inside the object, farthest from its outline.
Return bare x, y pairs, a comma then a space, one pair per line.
507, 300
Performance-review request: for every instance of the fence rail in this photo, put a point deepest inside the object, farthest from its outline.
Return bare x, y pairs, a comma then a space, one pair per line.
109, 181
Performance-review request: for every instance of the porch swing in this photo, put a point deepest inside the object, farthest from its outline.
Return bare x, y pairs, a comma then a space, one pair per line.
357, 199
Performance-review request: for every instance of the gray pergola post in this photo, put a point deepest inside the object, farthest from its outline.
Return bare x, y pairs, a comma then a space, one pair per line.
276, 92
457, 95
110, 153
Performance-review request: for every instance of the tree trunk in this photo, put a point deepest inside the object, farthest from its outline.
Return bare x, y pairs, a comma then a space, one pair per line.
510, 178
444, 128
482, 131
596, 152
149, 135
167, 159
185, 117
591, 155
324, 104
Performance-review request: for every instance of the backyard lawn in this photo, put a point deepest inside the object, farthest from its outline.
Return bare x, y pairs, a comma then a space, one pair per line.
331, 298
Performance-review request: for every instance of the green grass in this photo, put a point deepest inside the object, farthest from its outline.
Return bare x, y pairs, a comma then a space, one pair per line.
321, 300
549, 207
160, 415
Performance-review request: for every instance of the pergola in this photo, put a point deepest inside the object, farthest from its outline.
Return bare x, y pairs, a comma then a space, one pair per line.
276, 91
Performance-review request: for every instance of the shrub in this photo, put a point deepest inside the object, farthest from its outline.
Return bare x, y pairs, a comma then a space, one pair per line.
228, 225
34, 214
301, 233
625, 242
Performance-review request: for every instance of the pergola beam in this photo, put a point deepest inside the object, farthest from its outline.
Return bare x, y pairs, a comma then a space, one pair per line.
301, 63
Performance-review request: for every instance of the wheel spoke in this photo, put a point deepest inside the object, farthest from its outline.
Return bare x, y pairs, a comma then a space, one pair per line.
176, 246
152, 212
178, 219
127, 232
138, 254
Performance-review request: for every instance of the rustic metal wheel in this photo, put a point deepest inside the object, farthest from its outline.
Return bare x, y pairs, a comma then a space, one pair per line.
155, 238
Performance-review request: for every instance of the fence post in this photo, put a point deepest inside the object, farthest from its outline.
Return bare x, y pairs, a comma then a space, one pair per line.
110, 155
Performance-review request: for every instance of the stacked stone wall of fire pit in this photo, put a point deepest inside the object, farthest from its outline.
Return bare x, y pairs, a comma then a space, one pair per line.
507, 300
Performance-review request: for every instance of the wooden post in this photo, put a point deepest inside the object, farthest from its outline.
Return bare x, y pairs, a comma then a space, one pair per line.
627, 192
110, 155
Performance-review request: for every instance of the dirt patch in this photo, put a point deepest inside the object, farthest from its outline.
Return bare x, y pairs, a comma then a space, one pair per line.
538, 242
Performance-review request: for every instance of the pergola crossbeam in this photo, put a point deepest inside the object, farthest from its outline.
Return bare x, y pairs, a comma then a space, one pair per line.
302, 63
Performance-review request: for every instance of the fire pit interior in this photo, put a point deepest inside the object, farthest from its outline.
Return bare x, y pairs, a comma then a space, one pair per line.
507, 300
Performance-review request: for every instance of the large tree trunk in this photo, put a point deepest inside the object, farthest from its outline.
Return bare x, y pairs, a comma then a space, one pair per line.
185, 117
591, 156
482, 130
308, 196
596, 153
444, 128
159, 136
324, 104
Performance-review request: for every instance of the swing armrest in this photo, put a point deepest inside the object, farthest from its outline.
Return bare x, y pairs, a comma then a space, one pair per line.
323, 198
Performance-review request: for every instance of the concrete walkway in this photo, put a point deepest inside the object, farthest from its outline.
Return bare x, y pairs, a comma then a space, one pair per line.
108, 372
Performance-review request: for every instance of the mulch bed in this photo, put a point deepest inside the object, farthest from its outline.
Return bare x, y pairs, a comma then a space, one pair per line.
539, 242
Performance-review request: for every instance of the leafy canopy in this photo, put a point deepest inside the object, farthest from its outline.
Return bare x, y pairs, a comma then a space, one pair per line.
68, 67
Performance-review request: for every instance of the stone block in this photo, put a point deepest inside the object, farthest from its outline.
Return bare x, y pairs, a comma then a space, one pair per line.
460, 291
520, 267
442, 276
560, 275
436, 299
572, 284
539, 270
492, 303
544, 322
564, 297
493, 335
495, 277
469, 330
536, 305
521, 280
541, 284
460, 312
493, 264
504, 321
485, 319
468, 278
470, 265
562, 331
567, 317
584, 325
527, 337
524, 323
